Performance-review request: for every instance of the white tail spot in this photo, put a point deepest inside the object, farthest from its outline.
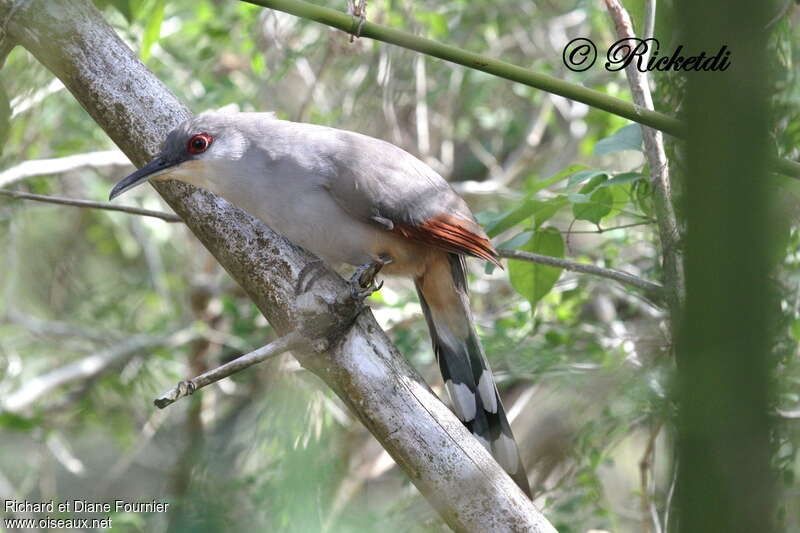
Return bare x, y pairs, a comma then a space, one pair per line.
487, 391
463, 400
505, 451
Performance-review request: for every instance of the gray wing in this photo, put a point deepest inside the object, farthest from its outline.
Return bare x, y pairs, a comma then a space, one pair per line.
376, 180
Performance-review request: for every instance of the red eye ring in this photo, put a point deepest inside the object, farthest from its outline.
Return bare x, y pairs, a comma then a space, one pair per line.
199, 143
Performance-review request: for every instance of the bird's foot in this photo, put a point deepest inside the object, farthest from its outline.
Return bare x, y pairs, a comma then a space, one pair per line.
311, 272
357, 8
362, 282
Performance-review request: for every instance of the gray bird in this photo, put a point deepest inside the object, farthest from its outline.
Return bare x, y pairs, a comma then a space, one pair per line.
352, 199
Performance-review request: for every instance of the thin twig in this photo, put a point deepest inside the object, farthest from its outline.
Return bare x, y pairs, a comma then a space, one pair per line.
188, 387
654, 290
169, 217
645, 466
605, 230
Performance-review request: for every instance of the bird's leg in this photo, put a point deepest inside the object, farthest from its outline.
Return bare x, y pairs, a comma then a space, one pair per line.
313, 270
357, 8
362, 282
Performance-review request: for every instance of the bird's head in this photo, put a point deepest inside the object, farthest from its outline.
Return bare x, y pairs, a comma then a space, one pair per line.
195, 152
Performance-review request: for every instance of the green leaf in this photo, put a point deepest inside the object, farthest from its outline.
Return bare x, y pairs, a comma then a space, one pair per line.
532, 187
626, 138
152, 31
597, 205
548, 208
528, 206
532, 280
580, 177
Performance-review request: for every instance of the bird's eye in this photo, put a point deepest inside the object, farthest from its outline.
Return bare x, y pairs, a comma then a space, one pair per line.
199, 143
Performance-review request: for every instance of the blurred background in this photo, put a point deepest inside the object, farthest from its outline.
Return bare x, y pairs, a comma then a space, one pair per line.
103, 311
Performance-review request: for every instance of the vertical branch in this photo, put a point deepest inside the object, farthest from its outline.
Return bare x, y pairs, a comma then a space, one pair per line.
726, 334
659, 168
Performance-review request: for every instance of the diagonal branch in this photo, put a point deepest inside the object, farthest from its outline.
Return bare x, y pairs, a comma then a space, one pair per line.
653, 290
169, 217
185, 388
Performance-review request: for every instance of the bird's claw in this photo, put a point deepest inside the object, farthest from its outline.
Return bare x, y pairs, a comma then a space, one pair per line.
362, 282
360, 294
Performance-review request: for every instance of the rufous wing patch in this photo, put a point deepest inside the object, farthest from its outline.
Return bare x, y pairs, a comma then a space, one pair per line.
452, 234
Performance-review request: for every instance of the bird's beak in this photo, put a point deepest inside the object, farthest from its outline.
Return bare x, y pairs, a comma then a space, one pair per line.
156, 167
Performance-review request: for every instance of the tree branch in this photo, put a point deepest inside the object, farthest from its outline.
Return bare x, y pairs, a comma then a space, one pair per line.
185, 388
653, 290
659, 168
169, 217
502, 69
60, 165
449, 467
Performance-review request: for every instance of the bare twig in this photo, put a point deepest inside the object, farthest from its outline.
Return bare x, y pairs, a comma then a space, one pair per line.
169, 217
645, 468
601, 230
654, 290
60, 165
90, 367
188, 387
659, 168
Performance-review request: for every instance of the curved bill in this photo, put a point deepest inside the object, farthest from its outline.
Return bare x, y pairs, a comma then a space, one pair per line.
154, 168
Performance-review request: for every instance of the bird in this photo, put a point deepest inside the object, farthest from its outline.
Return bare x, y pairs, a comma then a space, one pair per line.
351, 199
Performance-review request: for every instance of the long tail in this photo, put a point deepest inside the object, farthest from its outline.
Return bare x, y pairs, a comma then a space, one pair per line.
443, 294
